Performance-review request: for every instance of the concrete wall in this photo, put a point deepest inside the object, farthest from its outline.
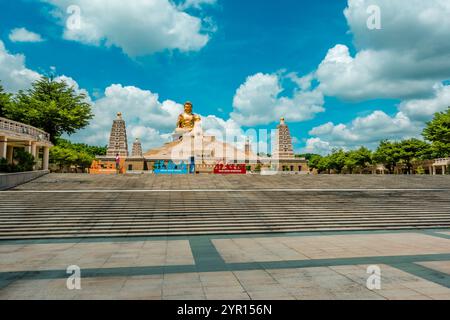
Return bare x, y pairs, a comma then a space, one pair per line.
11, 180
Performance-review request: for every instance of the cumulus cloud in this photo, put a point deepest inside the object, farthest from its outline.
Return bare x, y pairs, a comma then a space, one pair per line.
258, 101
424, 109
402, 60
368, 131
146, 116
197, 4
76, 87
407, 59
371, 74
23, 35
14, 74
150, 119
317, 146
138, 27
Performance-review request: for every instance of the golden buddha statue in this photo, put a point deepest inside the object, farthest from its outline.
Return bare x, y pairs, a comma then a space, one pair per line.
187, 120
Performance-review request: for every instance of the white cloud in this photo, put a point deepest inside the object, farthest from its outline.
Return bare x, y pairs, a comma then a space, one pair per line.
147, 118
407, 59
404, 22
14, 75
197, 4
402, 60
424, 109
317, 146
23, 35
139, 27
258, 101
73, 84
368, 131
370, 75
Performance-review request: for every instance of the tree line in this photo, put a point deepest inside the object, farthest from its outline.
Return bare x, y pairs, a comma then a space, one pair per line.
436, 144
58, 109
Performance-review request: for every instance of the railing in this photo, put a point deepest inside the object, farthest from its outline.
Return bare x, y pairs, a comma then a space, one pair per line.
23, 129
442, 162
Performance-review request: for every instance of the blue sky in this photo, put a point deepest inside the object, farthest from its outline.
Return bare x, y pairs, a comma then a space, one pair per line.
237, 65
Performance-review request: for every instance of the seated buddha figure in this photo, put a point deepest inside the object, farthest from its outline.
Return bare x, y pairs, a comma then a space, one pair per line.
187, 120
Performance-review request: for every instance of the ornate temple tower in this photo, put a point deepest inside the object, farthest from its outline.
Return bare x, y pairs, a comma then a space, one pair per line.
283, 142
137, 149
118, 139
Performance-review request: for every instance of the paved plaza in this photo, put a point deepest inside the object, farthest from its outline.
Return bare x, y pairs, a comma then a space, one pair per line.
338, 226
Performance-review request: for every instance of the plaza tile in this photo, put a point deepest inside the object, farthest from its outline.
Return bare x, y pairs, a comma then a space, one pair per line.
441, 266
445, 232
57, 256
329, 247
338, 282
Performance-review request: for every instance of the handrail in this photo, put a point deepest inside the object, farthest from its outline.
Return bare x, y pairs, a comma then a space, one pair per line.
24, 129
443, 161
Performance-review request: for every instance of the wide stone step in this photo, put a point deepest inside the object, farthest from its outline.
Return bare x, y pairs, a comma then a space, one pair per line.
154, 233
240, 226
240, 220
82, 214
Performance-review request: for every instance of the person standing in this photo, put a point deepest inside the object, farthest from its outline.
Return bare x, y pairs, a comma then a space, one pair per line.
117, 164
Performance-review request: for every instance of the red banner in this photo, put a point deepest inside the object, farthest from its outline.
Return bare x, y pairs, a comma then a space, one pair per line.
230, 169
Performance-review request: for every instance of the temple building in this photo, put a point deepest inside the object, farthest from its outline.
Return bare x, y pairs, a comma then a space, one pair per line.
118, 142
283, 157
192, 146
137, 149
283, 142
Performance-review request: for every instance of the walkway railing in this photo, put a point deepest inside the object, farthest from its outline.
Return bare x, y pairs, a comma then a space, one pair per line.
442, 162
21, 129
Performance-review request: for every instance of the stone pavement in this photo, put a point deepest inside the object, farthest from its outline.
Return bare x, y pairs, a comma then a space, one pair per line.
414, 265
337, 226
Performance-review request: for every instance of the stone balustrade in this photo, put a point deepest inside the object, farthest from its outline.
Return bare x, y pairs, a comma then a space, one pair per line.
24, 131
442, 162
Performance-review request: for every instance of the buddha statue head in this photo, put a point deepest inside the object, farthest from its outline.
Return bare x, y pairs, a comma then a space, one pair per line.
188, 107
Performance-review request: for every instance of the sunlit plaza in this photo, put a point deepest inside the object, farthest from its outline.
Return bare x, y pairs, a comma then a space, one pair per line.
224, 151
226, 237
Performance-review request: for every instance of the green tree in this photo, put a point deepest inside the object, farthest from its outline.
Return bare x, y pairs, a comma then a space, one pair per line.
65, 157
360, 158
5, 100
324, 164
411, 150
66, 154
52, 106
82, 147
351, 160
336, 160
314, 161
387, 154
438, 133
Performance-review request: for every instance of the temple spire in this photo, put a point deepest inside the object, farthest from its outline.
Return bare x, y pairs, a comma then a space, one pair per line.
283, 148
137, 149
118, 143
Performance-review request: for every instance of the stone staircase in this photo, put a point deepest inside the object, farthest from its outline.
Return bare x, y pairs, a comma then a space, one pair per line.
76, 214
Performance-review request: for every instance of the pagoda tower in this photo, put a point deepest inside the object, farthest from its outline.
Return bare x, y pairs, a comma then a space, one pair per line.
283, 142
137, 149
118, 139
